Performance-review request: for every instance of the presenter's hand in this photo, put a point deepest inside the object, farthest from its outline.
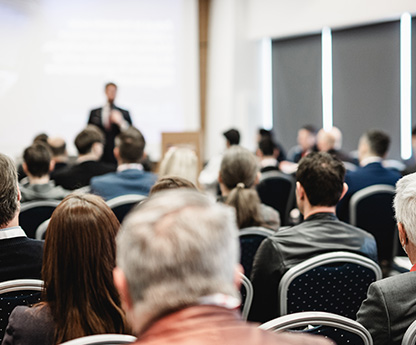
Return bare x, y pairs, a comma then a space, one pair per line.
116, 117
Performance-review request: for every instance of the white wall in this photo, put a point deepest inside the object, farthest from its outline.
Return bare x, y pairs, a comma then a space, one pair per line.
234, 66
57, 55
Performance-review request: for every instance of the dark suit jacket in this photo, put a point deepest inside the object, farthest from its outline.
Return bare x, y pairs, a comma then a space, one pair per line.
79, 175
369, 175
110, 134
131, 181
20, 258
390, 308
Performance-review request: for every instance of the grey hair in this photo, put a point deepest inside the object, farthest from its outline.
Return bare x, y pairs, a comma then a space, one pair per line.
405, 204
9, 203
175, 248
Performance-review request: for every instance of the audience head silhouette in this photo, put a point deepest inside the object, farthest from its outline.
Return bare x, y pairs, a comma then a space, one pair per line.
172, 250
9, 192
90, 139
232, 136
405, 210
320, 180
37, 160
79, 257
171, 182
373, 143
180, 161
129, 146
239, 173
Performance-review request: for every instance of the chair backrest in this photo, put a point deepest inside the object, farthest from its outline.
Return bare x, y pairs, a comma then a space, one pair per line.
278, 191
409, 337
250, 240
371, 209
122, 205
246, 296
40, 233
102, 339
340, 329
14, 293
33, 213
334, 282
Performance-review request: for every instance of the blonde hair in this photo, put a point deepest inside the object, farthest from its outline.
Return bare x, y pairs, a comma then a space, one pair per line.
180, 161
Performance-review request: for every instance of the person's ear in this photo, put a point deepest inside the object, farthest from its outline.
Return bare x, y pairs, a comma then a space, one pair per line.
404, 240
344, 190
122, 286
116, 152
300, 191
25, 169
257, 179
51, 165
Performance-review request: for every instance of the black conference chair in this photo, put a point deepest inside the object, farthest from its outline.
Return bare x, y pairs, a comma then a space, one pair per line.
371, 209
14, 293
102, 339
122, 205
250, 240
33, 213
334, 282
340, 329
277, 190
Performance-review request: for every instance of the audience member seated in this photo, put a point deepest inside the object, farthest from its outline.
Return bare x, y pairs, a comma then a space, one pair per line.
171, 182
306, 143
268, 134
267, 153
59, 154
80, 297
238, 176
331, 142
390, 305
208, 178
130, 177
180, 161
20, 257
89, 143
372, 149
320, 184
43, 138
37, 164
178, 275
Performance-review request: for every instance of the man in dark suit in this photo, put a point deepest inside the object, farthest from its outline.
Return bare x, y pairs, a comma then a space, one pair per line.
89, 143
372, 149
390, 306
111, 120
130, 177
20, 257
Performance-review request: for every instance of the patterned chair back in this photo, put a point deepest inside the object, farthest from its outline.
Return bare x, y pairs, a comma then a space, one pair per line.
333, 282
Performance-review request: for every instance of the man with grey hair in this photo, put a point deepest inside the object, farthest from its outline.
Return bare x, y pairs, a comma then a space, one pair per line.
390, 306
178, 274
20, 257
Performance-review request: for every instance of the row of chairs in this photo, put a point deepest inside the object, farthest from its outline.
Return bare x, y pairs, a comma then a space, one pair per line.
34, 215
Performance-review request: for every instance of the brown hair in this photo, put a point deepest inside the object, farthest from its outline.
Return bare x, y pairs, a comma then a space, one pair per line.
88, 137
238, 173
38, 159
131, 145
78, 260
171, 182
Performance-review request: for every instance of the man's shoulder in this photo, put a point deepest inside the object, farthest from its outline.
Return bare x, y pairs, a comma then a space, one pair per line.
108, 177
397, 282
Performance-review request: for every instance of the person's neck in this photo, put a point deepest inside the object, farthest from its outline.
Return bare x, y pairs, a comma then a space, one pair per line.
14, 222
311, 210
87, 157
38, 180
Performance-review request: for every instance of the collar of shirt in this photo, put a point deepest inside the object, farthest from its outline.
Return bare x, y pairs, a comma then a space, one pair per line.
129, 166
220, 300
268, 162
369, 160
15, 231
